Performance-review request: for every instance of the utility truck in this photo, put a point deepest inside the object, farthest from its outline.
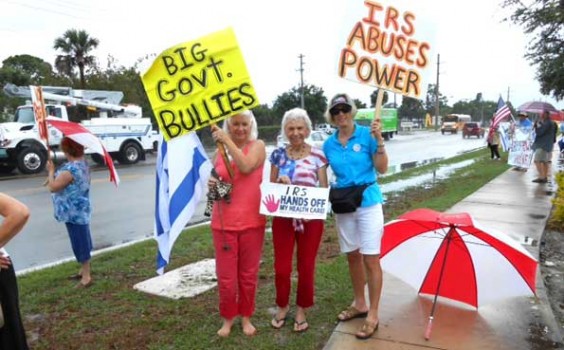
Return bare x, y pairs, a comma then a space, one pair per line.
121, 128
389, 116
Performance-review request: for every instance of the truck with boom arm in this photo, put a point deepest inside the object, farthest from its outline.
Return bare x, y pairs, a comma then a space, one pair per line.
124, 132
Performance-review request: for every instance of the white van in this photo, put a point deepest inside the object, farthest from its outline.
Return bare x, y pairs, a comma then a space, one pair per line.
327, 128
316, 138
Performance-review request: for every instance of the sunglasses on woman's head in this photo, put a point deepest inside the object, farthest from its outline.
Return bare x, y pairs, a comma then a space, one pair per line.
336, 110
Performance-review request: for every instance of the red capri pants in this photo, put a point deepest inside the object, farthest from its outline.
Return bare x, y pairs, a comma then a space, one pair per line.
284, 237
237, 258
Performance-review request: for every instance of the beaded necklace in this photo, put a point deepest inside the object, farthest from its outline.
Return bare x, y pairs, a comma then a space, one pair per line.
301, 153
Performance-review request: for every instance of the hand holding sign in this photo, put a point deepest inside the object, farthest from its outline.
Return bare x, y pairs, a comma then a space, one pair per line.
219, 136
376, 128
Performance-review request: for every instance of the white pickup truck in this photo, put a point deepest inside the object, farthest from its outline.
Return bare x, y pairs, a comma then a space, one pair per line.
127, 136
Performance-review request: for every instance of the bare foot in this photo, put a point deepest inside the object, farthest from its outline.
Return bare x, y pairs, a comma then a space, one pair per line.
248, 327
225, 329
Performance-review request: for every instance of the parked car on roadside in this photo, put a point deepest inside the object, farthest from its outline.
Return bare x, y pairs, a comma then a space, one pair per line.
472, 129
316, 138
327, 128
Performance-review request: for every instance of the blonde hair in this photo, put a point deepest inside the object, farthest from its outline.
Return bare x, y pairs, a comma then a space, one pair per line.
350, 102
252, 121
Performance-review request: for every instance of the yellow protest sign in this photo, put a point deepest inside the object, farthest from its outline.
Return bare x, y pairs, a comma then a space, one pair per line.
198, 83
384, 49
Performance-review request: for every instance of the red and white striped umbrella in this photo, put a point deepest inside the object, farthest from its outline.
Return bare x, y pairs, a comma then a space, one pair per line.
84, 137
451, 256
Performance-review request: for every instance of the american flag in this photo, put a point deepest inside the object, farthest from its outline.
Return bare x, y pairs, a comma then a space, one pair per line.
183, 169
501, 113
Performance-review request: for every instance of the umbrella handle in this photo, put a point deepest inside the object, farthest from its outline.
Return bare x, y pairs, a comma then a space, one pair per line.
428, 329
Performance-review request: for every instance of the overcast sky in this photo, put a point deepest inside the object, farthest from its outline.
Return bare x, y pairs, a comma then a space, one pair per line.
479, 52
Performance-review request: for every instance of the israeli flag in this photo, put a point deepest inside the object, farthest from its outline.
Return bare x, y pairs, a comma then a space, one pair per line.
183, 169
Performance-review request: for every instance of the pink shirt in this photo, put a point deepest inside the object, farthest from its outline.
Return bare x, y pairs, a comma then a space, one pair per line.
243, 210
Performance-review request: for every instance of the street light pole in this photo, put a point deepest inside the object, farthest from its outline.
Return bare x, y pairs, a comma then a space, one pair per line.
302, 104
437, 94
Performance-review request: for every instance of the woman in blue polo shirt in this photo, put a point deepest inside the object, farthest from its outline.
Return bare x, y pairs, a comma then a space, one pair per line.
355, 153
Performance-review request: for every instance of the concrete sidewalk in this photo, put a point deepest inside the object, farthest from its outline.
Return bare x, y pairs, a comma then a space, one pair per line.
513, 204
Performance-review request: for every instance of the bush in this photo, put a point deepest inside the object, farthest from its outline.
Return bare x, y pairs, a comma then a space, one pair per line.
557, 218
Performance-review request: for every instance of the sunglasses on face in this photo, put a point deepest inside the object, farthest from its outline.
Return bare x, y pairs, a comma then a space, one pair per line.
344, 109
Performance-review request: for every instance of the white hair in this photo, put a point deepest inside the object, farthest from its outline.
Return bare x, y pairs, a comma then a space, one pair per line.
296, 114
252, 121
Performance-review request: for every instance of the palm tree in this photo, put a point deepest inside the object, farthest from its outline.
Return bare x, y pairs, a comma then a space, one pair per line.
76, 46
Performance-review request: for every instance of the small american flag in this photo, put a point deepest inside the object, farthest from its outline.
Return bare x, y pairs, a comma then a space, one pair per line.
501, 113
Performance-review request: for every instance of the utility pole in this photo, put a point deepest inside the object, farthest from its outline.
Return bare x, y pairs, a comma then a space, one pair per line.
437, 93
508, 88
301, 57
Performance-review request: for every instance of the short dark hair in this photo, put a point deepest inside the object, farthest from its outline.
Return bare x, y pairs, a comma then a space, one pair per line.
72, 147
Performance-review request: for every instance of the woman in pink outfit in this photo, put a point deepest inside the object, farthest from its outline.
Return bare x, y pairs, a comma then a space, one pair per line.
237, 226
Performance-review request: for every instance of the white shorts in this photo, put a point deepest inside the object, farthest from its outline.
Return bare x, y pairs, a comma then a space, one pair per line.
541, 156
361, 230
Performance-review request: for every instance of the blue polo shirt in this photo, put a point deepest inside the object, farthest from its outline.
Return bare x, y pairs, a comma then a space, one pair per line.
352, 164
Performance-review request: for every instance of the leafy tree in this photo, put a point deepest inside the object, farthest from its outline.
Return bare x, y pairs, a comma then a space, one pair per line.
544, 21
22, 70
374, 95
314, 100
431, 98
116, 77
411, 108
264, 115
76, 46
359, 104
25, 70
467, 107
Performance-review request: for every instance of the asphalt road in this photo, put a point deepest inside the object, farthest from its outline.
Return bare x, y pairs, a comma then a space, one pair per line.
125, 214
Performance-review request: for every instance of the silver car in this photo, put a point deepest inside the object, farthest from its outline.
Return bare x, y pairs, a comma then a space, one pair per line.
316, 139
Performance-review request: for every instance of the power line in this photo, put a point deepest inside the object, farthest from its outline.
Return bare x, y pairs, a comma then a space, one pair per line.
45, 9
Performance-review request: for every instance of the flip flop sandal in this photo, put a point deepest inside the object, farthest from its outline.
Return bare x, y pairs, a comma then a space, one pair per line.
74, 277
275, 322
367, 330
350, 313
298, 325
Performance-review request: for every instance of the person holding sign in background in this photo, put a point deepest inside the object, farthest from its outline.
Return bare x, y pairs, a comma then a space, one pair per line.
493, 143
355, 153
545, 135
303, 165
237, 226
70, 190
